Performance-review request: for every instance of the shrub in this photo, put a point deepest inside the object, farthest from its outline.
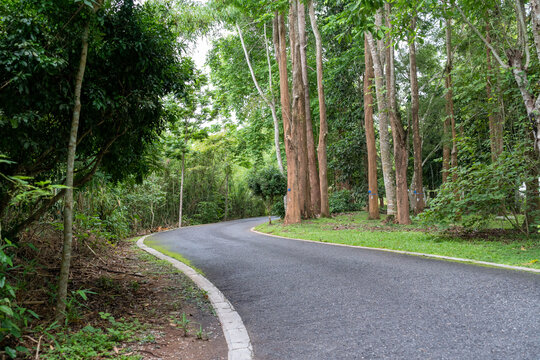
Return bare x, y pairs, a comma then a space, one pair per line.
343, 201
268, 184
278, 209
13, 318
482, 191
207, 212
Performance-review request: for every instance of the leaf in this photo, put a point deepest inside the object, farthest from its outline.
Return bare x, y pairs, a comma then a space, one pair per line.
6, 310
12, 353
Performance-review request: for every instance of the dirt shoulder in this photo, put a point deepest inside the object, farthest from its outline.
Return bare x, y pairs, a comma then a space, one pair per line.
131, 286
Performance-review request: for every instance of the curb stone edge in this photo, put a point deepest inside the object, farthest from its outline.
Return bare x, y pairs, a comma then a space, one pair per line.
441, 257
236, 335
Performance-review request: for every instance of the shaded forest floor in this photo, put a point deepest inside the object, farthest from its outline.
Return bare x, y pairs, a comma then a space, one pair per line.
123, 304
499, 245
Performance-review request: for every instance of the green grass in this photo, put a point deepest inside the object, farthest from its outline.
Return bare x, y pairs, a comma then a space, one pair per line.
355, 229
152, 243
190, 291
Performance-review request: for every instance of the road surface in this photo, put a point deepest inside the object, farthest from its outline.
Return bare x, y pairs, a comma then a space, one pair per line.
308, 301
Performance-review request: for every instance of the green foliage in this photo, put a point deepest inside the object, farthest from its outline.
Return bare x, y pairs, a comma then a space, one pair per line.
135, 59
13, 318
182, 323
93, 342
343, 201
278, 209
483, 191
268, 184
207, 212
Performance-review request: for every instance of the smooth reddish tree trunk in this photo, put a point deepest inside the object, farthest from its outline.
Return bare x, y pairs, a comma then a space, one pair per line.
292, 214
299, 114
315, 193
373, 191
323, 127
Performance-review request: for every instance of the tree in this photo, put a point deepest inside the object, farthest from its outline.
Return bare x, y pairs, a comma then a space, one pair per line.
417, 141
515, 51
271, 103
323, 127
68, 198
298, 112
270, 185
293, 211
382, 114
122, 109
186, 116
373, 191
314, 185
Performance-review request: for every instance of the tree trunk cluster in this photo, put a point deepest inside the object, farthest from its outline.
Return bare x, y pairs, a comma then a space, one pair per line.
307, 185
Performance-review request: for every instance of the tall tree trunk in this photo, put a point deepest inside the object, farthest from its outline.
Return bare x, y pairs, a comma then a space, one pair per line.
269, 102
323, 127
495, 120
226, 195
382, 113
373, 190
399, 135
450, 124
68, 199
292, 214
299, 113
181, 202
417, 141
315, 193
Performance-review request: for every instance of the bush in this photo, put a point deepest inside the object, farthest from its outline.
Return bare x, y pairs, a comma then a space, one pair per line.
268, 184
482, 191
13, 318
343, 201
207, 212
278, 209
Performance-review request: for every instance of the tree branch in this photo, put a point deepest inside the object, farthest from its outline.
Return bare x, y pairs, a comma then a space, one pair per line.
493, 51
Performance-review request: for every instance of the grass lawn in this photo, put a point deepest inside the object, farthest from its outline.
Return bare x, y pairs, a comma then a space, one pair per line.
354, 229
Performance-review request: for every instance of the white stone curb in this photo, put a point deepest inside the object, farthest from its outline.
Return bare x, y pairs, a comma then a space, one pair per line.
234, 330
520, 268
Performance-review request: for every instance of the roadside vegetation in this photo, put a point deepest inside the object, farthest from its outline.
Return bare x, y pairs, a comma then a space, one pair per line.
424, 114
496, 243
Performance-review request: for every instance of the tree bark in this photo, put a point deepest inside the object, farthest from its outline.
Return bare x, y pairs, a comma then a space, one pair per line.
181, 202
292, 214
382, 113
299, 113
270, 103
226, 194
373, 190
68, 200
450, 123
495, 120
535, 16
315, 193
323, 127
418, 192
399, 135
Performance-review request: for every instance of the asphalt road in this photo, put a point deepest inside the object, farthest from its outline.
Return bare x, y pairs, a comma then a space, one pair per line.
309, 301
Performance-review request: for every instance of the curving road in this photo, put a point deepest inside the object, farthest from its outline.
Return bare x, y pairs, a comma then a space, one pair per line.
307, 301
